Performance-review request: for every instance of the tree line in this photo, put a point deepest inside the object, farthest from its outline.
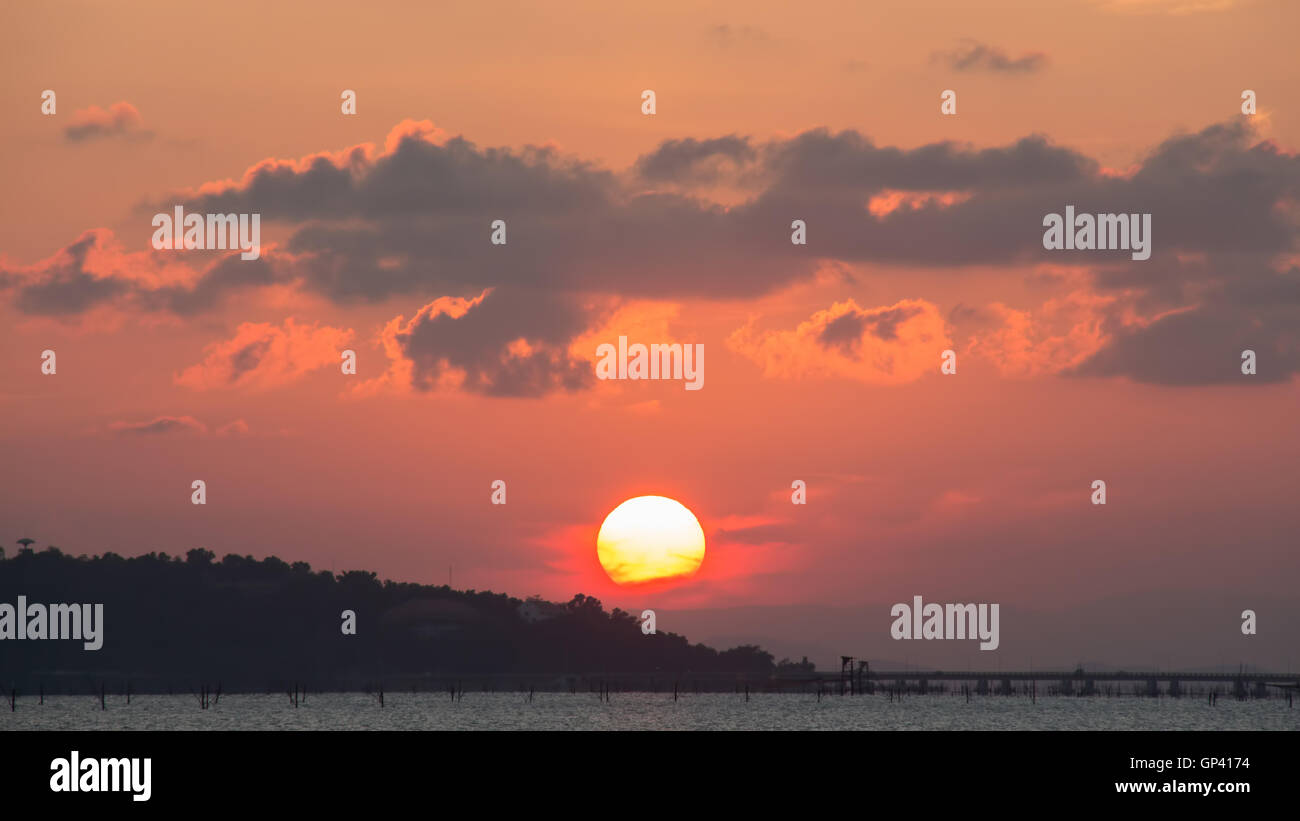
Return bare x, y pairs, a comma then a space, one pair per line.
253, 623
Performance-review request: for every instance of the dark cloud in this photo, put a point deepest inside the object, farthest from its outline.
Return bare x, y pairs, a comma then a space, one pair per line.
1232, 310
223, 277
248, 358
849, 162
845, 331
695, 161
66, 287
415, 222
418, 178
69, 283
975, 56
507, 343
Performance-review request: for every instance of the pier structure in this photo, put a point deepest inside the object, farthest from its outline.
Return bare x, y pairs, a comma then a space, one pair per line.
863, 679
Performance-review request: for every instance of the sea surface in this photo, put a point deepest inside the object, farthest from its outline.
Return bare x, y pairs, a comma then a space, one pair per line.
646, 711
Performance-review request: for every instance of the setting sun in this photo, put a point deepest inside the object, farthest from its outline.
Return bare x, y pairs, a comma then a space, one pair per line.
649, 538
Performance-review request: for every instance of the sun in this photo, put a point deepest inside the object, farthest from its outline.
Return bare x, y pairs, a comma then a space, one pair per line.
649, 538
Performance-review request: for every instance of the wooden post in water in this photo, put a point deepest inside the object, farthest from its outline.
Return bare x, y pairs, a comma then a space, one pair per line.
13, 698
102, 706
747, 691
43, 693
675, 693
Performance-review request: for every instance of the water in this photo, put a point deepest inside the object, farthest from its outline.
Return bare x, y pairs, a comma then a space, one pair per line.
647, 711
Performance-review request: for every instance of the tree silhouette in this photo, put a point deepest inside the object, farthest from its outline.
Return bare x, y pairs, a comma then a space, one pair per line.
256, 623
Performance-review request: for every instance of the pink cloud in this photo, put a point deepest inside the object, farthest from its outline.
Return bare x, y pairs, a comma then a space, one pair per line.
120, 120
892, 344
262, 356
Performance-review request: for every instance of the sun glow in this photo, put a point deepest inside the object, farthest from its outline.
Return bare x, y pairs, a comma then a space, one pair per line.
649, 538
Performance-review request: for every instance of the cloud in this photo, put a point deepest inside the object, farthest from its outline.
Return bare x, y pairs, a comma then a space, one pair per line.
1253, 308
176, 424
695, 162
413, 219
725, 34
161, 425
975, 56
94, 123
367, 227
96, 271
417, 218
64, 286
237, 427
887, 345
261, 356
508, 343
1060, 334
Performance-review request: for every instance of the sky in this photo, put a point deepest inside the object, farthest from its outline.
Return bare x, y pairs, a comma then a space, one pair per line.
476, 362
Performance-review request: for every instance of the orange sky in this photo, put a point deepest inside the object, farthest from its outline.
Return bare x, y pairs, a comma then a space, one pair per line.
971, 487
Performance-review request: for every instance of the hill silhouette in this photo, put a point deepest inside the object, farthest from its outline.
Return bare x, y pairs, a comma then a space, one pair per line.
257, 624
